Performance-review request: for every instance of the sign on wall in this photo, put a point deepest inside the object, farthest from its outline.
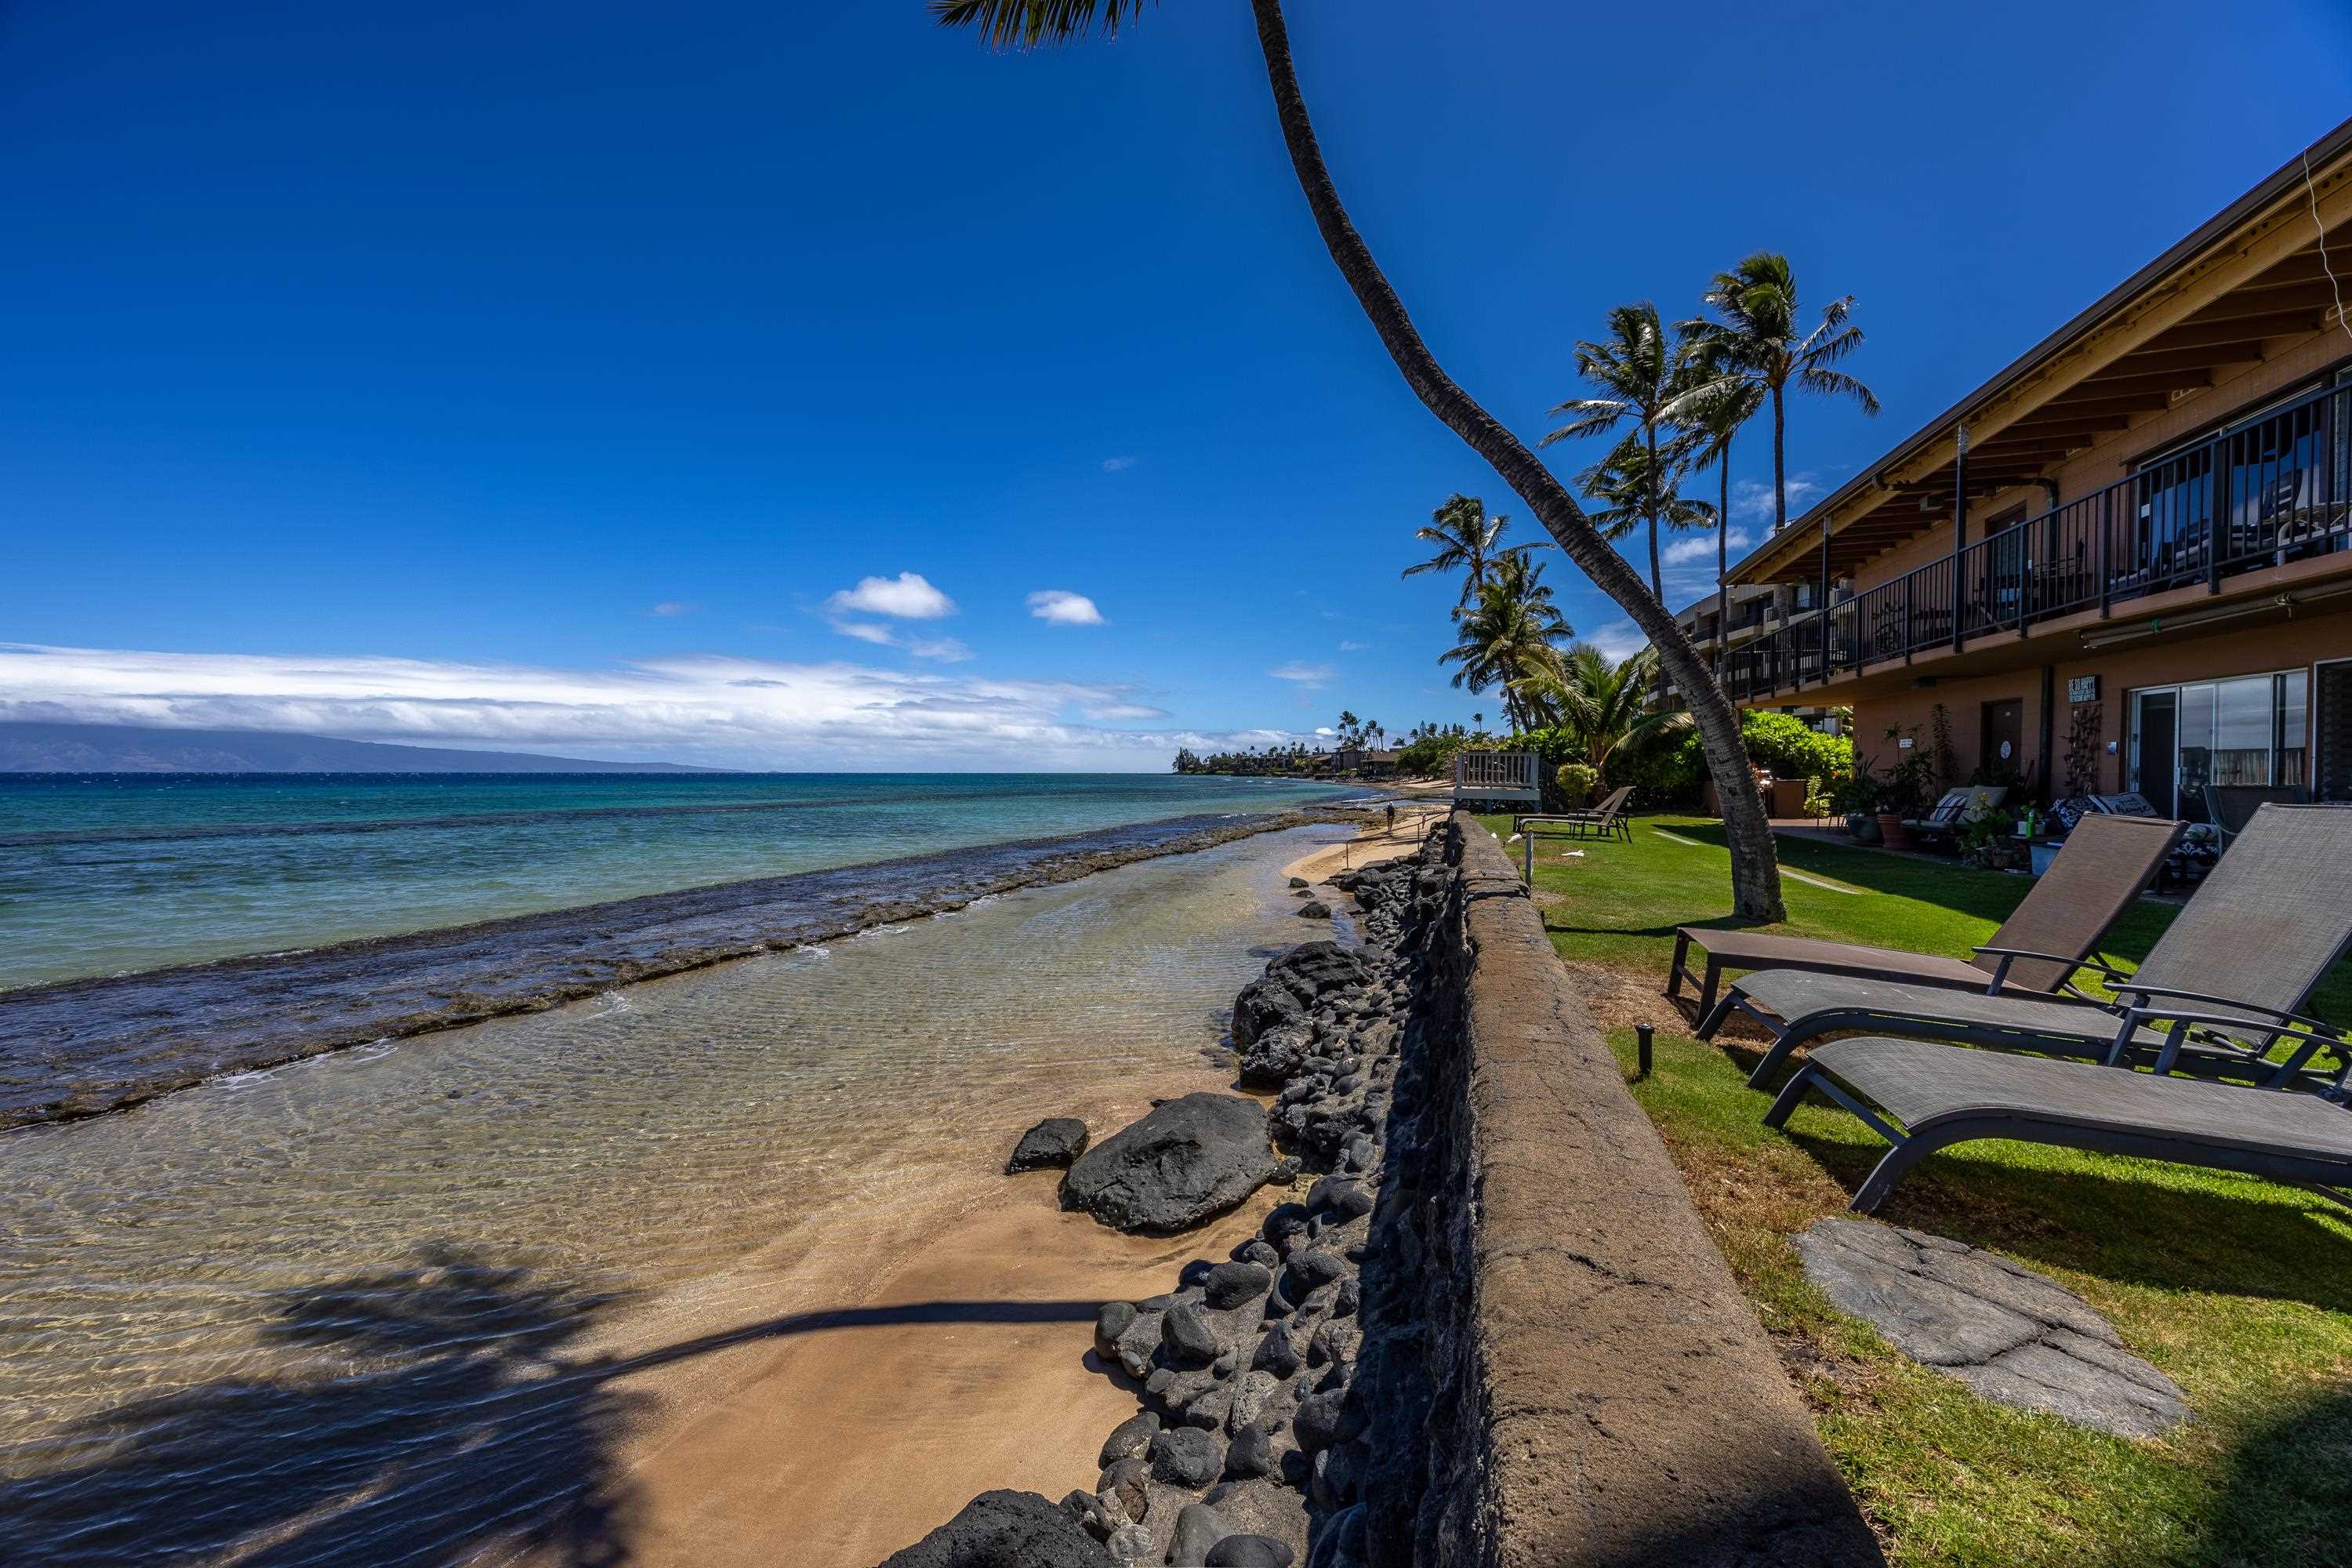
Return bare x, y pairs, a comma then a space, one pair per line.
2082, 688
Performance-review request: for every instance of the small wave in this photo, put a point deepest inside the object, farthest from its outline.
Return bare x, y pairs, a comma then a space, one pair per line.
881, 931
812, 951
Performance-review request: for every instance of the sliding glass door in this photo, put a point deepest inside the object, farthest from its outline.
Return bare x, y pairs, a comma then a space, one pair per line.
2246, 730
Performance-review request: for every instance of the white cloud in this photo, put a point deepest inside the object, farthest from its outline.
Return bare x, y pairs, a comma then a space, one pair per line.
1324, 730
947, 650
1693, 548
1619, 640
725, 712
1353, 647
673, 607
1064, 608
1305, 674
908, 596
1752, 498
1116, 465
867, 631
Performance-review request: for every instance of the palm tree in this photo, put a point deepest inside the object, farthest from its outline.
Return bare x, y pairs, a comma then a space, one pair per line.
1634, 484
1734, 395
1466, 538
1602, 706
1755, 872
1759, 327
1507, 635
1647, 376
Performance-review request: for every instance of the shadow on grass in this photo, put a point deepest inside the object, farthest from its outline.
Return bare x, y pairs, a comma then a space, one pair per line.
2286, 1491
442, 1421
2113, 1226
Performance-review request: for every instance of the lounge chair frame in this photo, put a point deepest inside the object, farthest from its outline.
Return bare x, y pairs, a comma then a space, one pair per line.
1610, 818
2046, 1125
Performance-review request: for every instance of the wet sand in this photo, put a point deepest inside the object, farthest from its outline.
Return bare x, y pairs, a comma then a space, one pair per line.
965, 1366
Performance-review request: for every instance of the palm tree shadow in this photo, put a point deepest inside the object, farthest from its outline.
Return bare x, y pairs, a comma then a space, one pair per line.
439, 1423
446, 1414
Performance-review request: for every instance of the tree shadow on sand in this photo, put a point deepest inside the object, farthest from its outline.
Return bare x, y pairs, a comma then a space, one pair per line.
445, 1422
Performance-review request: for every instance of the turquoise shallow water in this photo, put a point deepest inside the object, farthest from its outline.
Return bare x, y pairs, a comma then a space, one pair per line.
105, 874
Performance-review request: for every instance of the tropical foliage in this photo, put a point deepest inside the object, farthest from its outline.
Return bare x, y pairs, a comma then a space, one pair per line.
1603, 706
1508, 636
1758, 332
1467, 541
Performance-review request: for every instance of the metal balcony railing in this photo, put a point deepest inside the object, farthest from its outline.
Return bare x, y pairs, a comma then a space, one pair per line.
2271, 489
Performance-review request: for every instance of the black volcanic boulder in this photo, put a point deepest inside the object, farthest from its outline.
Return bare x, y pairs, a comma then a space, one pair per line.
1291, 986
1189, 1161
1055, 1142
1006, 1529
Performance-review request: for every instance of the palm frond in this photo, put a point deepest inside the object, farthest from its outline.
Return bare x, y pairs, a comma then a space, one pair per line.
1837, 384
1028, 24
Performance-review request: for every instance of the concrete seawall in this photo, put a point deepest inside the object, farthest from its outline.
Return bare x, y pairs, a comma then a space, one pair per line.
1594, 1387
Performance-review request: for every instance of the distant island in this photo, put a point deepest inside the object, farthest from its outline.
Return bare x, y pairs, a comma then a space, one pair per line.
33, 747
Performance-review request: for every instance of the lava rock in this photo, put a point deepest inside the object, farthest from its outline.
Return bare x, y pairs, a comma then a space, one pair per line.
1130, 1439
1299, 881
1315, 910
1277, 1354
1006, 1530
1259, 1253
1187, 1337
1109, 1323
1251, 1552
1285, 1220
1251, 1394
1252, 1454
1309, 1272
1186, 1457
1291, 984
1189, 1161
1126, 1483
1231, 1285
1054, 1142
1198, 1527
1341, 1198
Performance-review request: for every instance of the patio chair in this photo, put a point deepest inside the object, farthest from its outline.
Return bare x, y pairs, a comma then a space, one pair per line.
2095, 879
1604, 819
1978, 800
1943, 1096
2217, 996
2229, 807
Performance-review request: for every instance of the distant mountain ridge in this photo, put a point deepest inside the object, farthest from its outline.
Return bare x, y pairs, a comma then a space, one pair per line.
35, 747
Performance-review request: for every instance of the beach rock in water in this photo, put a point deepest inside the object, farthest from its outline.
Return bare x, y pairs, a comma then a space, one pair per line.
1189, 1161
1299, 881
1315, 910
1006, 1530
1055, 1142
1291, 984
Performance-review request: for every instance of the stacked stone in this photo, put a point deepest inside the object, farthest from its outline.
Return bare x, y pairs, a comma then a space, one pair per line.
1255, 1434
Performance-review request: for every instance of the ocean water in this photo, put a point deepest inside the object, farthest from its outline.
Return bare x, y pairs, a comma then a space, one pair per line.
109, 873
376, 1307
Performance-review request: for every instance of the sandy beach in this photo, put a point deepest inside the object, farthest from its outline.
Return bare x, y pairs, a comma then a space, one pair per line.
954, 1358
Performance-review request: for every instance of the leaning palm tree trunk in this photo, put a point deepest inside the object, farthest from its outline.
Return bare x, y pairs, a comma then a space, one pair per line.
1755, 872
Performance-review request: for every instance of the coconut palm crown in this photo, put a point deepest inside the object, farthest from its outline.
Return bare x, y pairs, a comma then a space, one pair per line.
1467, 541
1759, 328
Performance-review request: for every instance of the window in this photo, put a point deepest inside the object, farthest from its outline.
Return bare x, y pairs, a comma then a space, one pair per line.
2246, 730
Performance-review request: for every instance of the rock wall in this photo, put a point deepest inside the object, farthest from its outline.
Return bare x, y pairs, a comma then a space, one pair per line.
1494, 1334
1558, 1365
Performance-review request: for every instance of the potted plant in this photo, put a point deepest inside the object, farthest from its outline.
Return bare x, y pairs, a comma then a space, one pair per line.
1903, 794
1857, 797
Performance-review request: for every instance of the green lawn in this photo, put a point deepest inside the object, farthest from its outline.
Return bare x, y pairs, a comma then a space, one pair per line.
2240, 1289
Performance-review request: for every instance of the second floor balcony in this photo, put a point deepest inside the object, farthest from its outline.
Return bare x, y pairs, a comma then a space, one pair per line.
2265, 493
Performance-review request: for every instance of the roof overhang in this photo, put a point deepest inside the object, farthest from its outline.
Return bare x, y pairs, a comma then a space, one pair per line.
2251, 274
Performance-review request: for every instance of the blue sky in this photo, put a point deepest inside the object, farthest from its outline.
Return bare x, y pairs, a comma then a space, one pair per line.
553, 376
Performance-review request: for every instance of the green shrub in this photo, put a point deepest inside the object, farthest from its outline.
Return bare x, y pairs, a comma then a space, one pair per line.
1575, 781
1789, 749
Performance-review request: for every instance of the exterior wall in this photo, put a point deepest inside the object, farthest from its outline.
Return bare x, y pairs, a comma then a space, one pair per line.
2160, 660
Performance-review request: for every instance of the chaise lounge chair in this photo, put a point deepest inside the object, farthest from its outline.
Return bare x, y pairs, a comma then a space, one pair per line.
2095, 879
1604, 819
2229, 807
2228, 981
1943, 1095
